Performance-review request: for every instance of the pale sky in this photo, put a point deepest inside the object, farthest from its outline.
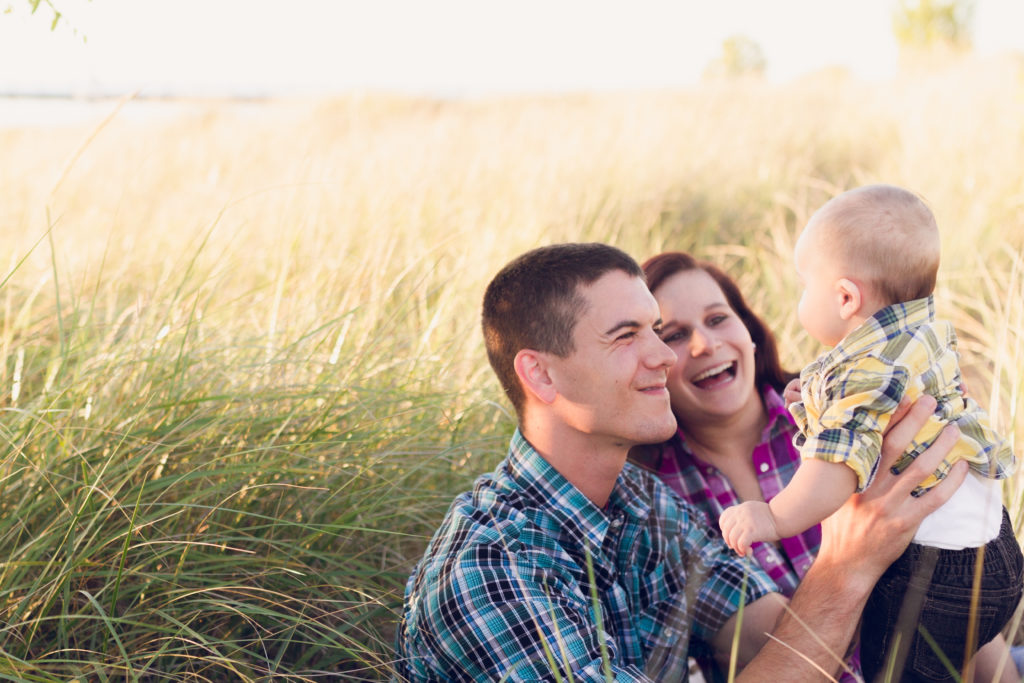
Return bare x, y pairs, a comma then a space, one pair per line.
448, 47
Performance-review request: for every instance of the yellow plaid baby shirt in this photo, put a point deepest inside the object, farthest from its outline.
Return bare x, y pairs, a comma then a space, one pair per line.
850, 393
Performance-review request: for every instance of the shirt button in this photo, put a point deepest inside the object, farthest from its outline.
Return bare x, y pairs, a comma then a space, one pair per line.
616, 522
763, 467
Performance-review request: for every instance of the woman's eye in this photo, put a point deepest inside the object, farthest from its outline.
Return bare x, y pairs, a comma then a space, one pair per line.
679, 335
717, 319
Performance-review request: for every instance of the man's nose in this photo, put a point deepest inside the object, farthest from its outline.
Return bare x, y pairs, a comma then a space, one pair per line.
660, 355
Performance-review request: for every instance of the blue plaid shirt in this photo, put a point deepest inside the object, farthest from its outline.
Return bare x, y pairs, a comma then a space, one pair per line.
503, 588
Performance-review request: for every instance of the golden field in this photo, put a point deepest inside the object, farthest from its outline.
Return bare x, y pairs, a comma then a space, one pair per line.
242, 372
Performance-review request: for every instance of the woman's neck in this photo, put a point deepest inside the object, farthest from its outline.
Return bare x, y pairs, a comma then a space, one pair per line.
728, 438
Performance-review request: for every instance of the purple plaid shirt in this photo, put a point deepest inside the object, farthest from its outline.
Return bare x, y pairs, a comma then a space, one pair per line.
775, 461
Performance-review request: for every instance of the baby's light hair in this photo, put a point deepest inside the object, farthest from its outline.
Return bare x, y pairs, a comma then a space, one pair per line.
885, 236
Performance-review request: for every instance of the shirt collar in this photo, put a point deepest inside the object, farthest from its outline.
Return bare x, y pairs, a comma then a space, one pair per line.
545, 488
882, 326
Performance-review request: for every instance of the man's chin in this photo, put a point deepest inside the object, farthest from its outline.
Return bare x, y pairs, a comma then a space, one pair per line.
658, 434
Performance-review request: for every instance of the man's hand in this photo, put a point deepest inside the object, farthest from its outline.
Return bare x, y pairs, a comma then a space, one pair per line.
747, 523
873, 528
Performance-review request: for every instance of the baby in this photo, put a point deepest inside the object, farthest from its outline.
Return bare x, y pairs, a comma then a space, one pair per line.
868, 261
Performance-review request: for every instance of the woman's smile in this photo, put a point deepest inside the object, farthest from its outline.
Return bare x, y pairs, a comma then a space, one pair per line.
715, 376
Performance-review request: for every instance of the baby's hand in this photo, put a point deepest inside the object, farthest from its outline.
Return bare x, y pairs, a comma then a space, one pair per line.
791, 394
747, 523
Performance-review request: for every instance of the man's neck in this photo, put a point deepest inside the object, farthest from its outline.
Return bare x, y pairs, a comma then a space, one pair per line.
589, 463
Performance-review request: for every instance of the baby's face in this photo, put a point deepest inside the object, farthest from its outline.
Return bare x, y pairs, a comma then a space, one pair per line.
819, 275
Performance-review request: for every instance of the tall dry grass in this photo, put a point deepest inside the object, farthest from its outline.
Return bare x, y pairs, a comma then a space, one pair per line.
242, 374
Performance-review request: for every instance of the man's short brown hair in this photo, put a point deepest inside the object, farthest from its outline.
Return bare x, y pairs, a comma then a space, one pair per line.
534, 303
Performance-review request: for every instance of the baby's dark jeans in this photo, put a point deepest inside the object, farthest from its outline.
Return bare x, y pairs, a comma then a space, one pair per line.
932, 588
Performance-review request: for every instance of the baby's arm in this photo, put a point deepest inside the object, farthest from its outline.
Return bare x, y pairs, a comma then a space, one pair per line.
817, 490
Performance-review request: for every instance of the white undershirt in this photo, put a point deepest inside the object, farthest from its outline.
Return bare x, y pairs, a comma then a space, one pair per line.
969, 519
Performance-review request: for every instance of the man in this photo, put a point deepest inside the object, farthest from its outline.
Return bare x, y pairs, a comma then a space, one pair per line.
567, 562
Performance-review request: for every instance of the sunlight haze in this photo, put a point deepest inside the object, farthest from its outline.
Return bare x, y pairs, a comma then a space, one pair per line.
446, 47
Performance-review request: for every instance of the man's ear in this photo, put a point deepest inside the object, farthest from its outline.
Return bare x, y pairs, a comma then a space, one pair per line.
532, 370
850, 298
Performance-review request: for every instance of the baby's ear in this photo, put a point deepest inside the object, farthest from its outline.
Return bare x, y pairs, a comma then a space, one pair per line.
851, 298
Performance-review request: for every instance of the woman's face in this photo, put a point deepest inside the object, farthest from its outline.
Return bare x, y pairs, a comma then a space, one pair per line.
713, 378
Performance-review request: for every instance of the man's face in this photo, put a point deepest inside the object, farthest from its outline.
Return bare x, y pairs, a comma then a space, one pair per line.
613, 385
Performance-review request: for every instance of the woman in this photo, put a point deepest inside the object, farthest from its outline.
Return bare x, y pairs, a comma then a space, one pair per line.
734, 441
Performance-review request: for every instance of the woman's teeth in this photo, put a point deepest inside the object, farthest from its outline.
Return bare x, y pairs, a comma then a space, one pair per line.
711, 372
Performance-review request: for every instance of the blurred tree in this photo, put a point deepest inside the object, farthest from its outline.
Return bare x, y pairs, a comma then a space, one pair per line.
926, 25
741, 57
34, 4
